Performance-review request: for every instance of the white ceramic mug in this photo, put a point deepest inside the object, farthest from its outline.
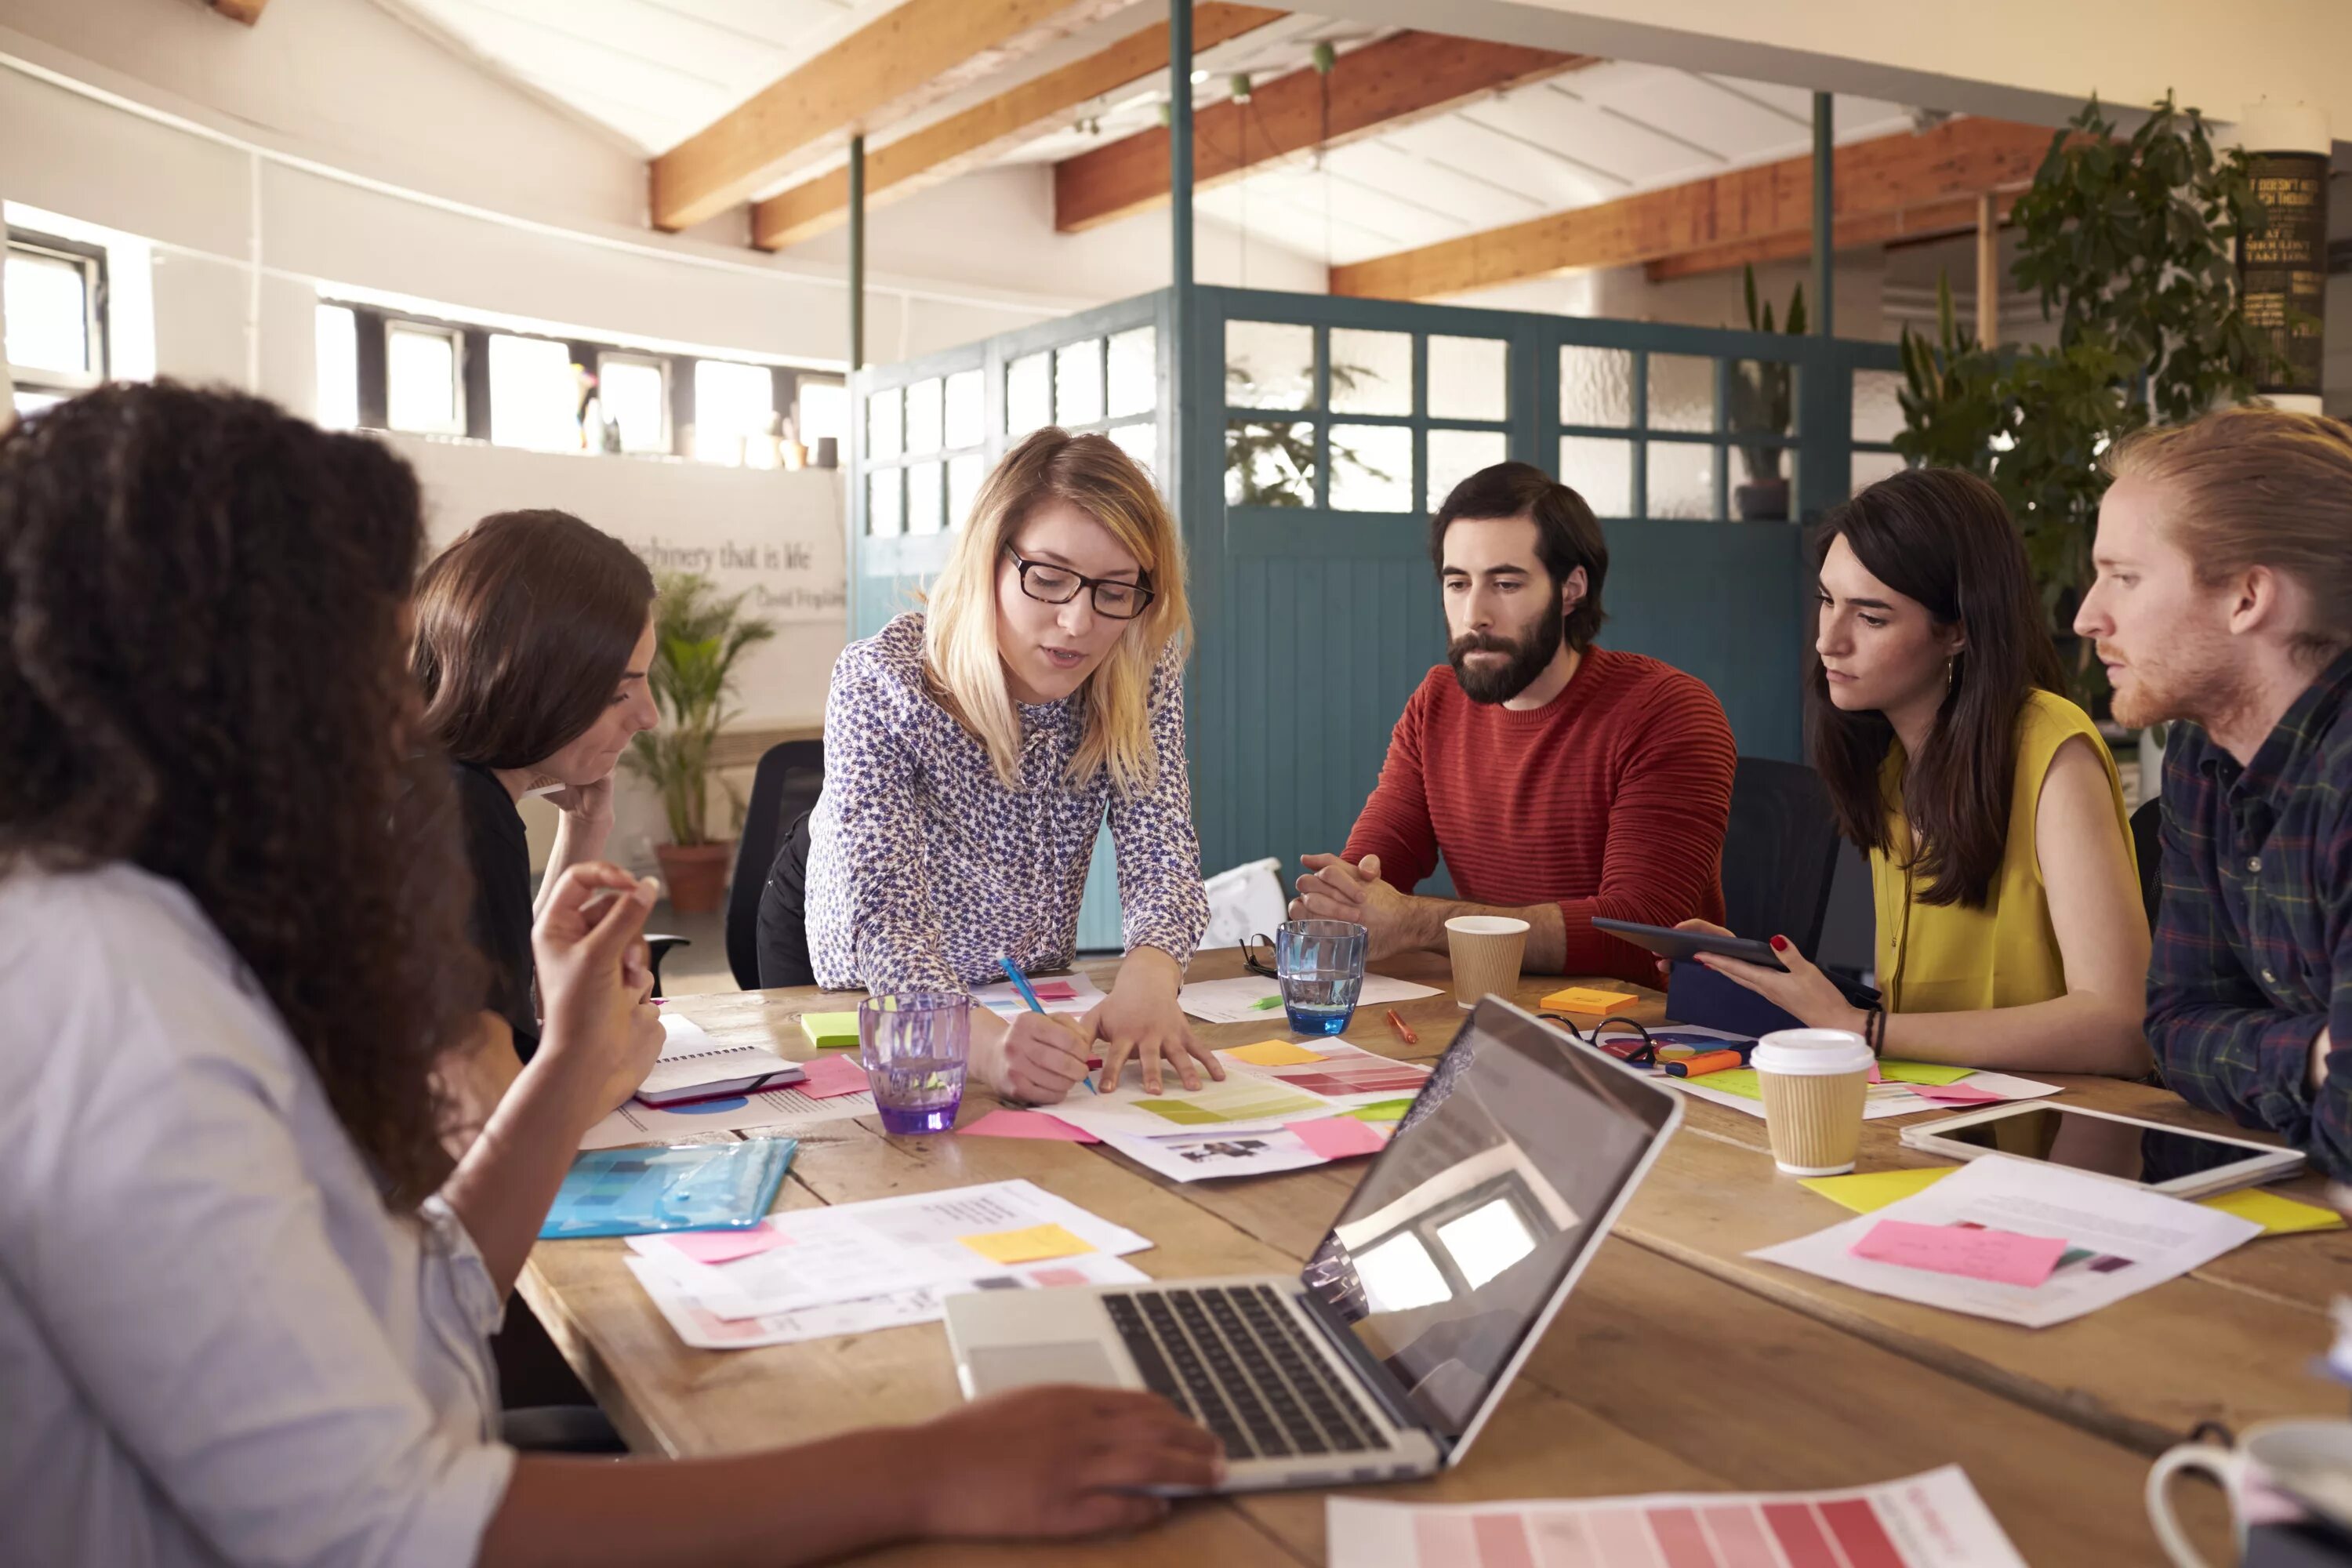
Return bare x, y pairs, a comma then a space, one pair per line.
2311, 1459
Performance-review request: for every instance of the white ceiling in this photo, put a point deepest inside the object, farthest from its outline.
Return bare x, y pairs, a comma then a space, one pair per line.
655, 72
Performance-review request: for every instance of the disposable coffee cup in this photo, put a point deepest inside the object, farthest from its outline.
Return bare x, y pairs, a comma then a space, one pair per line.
1814, 1082
1486, 951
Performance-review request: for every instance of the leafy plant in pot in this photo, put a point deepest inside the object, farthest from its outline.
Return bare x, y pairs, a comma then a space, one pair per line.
697, 637
1762, 398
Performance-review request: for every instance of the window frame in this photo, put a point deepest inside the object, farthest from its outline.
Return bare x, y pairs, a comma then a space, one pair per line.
458, 365
667, 366
91, 260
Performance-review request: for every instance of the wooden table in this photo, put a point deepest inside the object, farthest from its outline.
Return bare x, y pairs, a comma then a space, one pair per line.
1679, 1363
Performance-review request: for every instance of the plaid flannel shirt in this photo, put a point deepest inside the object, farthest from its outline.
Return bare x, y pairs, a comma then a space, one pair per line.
2253, 941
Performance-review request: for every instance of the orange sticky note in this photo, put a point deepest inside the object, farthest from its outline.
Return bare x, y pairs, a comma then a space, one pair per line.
1033, 1244
1585, 999
1272, 1053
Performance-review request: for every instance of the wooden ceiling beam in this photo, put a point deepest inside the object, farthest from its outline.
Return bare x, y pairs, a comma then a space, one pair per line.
1389, 82
1935, 220
907, 58
1771, 201
985, 131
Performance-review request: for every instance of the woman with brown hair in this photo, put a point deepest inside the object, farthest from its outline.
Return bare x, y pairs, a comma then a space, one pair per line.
2011, 931
534, 638
243, 1290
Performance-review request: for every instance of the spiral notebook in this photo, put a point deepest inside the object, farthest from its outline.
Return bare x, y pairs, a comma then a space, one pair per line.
695, 1065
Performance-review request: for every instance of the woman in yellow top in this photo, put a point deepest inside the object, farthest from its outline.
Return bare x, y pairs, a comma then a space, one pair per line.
2011, 929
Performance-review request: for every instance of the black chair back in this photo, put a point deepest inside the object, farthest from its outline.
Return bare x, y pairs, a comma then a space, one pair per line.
2148, 846
783, 913
1779, 853
791, 776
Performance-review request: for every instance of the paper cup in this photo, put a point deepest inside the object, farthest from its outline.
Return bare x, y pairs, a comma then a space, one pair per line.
1813, 1083
1486, 953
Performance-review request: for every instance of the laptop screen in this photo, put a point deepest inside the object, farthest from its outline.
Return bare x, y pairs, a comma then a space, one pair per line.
1499, 1180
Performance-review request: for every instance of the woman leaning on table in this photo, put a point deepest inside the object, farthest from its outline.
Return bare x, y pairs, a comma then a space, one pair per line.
975, 749
243, 982
2010, 928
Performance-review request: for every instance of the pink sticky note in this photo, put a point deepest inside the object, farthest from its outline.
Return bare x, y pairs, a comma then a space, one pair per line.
831, 1076
726, 1246
2004, 1257
1956, 1094
1054, 991
1004, 1123
1338, 1137
1876, 1075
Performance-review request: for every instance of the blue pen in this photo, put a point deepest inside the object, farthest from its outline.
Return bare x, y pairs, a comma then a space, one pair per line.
1021, 984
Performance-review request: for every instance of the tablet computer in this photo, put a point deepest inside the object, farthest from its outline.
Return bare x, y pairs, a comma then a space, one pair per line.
2171, 1160
1668, 942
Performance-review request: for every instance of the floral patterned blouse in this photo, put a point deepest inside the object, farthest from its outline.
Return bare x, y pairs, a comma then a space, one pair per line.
924, 867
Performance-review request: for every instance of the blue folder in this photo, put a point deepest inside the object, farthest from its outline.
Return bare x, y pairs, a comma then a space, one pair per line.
685, 1187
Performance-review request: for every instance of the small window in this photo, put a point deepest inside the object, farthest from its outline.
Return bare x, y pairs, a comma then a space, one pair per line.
824, 411
634, 392
534, 394
424, 389
54, 301
734, 407
337, 396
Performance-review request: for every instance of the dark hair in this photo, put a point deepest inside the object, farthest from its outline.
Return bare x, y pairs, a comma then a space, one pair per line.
524, 627
1567, 536
1942, 537
202, 598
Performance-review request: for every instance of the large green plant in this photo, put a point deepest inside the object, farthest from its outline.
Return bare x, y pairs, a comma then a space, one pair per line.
2129, 244
1763, 391
1273, 463
697, 637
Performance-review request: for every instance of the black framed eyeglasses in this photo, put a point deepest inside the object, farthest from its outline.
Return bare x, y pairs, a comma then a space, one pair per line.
1058, 585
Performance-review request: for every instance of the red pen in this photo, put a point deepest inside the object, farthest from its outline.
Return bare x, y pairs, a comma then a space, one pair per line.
1399, 1026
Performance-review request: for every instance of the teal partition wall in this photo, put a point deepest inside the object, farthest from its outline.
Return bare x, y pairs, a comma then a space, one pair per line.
1315, 436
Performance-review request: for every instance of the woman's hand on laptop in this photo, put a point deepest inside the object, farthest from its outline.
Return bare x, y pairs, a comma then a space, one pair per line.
1058, 1461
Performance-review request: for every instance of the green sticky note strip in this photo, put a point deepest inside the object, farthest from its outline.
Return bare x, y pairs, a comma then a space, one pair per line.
1381, 1110
1867, 1190
829, 1030
1932, 1073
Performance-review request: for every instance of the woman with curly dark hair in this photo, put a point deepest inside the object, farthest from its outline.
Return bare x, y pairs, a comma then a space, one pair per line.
244, 1292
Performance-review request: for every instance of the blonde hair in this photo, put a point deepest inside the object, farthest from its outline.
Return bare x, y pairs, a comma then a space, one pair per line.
960, 652
2252, 486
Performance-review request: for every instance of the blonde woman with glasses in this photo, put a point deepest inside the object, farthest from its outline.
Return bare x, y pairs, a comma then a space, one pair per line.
974, 748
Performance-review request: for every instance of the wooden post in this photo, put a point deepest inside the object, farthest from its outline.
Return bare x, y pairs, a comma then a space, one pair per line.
1988, 272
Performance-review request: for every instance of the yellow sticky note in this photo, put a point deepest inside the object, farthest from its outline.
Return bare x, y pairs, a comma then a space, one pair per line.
2276, 1214
1868, 1190
1585, 999
1033, 1244
1272, 1053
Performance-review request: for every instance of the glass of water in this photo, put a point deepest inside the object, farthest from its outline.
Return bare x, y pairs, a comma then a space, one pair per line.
1320, 967
915, 1046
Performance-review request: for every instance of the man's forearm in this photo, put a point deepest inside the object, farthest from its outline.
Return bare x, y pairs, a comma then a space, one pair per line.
1423, 928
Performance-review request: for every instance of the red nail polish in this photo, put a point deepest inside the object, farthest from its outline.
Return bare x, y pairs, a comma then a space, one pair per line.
1780, 944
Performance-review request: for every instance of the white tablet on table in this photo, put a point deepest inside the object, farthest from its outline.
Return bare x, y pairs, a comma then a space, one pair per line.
2170, 1160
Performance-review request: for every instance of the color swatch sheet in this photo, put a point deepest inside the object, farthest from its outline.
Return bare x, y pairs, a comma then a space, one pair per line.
1931, 1521
1055, 993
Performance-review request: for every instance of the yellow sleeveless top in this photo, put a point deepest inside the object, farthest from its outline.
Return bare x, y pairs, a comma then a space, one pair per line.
1951, 958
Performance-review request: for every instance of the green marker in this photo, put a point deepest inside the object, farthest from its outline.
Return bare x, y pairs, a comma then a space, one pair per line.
1266, 1004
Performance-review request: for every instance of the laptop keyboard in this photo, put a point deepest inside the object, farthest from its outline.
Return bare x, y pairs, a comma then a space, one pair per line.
1236, 1360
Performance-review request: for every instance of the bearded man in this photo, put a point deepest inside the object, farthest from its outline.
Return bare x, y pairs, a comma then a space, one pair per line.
2223, 604
1559, 780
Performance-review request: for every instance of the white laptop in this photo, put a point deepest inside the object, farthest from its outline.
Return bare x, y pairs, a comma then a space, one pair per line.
1383, 1358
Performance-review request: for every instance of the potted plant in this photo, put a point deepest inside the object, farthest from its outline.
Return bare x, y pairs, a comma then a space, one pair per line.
698, 637
1762, 404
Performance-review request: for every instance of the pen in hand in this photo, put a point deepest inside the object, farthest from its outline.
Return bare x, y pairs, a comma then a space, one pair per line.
1021, 984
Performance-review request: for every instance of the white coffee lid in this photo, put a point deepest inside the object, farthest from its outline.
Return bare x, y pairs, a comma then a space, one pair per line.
1487, 925
1810, 1053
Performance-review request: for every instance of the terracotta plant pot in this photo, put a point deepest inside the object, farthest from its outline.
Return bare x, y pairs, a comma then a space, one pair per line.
695, 875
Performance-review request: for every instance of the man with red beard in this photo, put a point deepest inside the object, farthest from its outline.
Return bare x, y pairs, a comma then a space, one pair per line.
1559, 780
2223, 604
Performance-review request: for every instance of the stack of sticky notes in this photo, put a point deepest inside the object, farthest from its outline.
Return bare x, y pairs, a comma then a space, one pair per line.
1588, 999
830, 1030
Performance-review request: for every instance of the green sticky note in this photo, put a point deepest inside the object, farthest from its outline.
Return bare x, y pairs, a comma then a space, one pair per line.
1921, 1072
1381, 1110
1266, 1004
829, 1030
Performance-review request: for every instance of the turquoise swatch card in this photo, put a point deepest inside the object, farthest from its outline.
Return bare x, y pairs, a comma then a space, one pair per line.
685, 1187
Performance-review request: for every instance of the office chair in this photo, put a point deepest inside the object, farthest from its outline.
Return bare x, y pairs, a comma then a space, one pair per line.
784, 792
1779, 853
2148, 846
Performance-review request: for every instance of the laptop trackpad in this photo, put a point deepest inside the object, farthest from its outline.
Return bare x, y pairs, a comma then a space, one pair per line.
998, 1367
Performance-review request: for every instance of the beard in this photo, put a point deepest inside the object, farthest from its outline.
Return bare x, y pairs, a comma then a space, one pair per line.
2196, 682
1531, 655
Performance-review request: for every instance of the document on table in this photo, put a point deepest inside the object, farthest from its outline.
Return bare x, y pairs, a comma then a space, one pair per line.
1341, 1073
1055, 993
849, 1252
786, 1109
2121, 1239
1244, 1000
1248, 1098
1197, 1157
1931, 1520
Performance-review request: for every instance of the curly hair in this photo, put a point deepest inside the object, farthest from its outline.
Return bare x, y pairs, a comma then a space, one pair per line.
203, 675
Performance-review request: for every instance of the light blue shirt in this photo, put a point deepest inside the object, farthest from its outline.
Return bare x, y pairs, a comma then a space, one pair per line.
216, 1345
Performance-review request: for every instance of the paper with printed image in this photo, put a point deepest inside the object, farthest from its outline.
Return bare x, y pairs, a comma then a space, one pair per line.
1245, 1000
2121, 1239
786, 1110
1219, 1152
847, 1252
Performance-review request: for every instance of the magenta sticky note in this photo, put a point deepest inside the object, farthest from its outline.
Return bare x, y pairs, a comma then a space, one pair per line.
725, 1246
1954, 1094
1338, 1137
831, 1076
2004, 1257
1004, 1123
